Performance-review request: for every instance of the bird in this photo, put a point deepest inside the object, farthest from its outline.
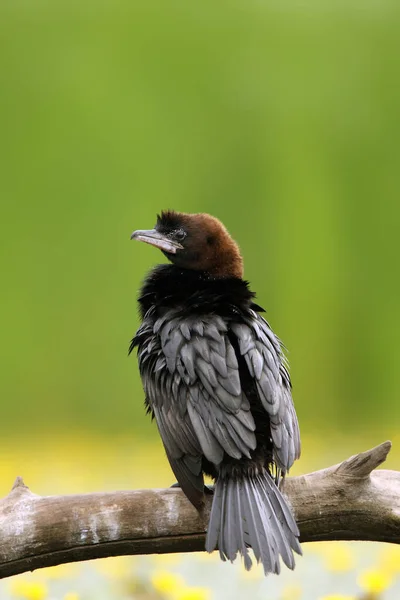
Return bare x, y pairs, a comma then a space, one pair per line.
216, 382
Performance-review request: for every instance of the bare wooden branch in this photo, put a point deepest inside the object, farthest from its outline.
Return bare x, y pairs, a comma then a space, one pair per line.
349, 501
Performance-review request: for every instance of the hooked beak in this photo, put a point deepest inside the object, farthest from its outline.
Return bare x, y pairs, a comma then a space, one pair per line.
154, 238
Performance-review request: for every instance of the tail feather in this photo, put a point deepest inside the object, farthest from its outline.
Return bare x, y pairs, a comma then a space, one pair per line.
281, 507
284, 515
285, 542
279, 544
221, 541
215, 518
230, 538
252, 512
262, 538
242, 537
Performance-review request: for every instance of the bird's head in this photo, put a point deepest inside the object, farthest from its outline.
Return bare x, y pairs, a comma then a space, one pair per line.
195, 241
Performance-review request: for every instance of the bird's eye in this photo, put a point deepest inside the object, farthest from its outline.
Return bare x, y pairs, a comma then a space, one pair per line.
179, 235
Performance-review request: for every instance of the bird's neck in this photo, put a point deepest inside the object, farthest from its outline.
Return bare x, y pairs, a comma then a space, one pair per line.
168, 286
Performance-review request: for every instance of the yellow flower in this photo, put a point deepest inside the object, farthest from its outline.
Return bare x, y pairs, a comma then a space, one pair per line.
291, 592
118, 567
337, 597
193, 593
30, 590
71, 596
165, 582
60, 571
374, 581
389, 560
166, 560
339, 557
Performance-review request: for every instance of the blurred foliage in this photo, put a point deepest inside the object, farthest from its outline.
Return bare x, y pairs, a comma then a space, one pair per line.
282, 119
205, 577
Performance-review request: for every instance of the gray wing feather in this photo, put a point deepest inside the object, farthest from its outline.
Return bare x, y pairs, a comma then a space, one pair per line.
210, 447
188, 471
191, 379
265, 361
213, 385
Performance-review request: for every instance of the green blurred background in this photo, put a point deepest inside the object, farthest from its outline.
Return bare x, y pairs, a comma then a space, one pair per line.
280, 118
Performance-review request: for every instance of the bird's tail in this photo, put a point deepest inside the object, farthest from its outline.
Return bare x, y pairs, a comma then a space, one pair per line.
252, 512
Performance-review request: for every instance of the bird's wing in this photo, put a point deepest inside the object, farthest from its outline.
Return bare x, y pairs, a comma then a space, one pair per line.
165, 398
191, 379
265, 362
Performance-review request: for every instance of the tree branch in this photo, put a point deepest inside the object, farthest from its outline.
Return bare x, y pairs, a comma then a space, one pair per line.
349, 501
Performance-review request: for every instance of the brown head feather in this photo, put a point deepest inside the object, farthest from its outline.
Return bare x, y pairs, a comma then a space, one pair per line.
207, 245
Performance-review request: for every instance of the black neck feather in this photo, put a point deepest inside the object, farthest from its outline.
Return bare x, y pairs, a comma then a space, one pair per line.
194, 292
